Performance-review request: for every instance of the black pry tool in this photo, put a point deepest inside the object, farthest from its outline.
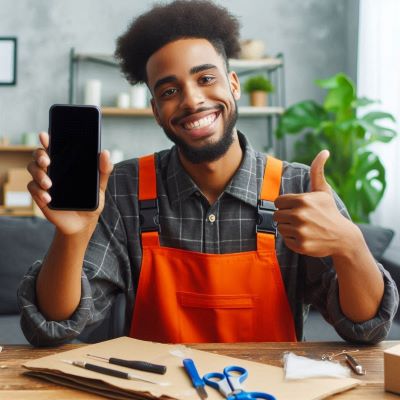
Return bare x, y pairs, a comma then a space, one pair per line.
198, 383
140, 365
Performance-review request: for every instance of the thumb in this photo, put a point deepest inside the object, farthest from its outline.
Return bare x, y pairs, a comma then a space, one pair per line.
105, 167
317, 174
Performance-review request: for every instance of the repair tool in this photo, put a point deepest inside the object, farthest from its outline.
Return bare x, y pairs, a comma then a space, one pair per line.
198, 383
355, 365
141, 365
112, 372
229, 383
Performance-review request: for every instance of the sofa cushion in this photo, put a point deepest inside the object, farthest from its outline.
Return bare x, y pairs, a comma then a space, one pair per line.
23, 240
10, 330
377, 238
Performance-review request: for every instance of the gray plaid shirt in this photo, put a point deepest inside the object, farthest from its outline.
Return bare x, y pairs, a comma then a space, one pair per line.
113, 257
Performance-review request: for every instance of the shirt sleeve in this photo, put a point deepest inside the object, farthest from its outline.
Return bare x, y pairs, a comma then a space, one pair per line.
322, 291
103, 277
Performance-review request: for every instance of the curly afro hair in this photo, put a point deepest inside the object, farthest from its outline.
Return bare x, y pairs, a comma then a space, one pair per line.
166, 23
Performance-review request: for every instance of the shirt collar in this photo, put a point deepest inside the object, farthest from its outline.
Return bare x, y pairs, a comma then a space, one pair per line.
245, 184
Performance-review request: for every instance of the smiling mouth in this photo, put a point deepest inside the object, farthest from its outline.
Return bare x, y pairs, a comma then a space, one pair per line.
201, 122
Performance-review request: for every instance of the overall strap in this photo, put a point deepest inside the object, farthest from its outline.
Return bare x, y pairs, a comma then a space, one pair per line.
266, 228
147, 178
148, 202
272, 179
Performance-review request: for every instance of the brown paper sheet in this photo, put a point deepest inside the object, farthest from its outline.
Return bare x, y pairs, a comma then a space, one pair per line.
262, 378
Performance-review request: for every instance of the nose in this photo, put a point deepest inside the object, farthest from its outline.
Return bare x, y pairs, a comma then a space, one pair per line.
191, 97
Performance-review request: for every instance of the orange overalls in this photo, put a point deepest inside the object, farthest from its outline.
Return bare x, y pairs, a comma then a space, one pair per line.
188, 297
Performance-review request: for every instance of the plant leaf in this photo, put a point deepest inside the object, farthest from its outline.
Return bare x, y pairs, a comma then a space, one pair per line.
340, 96
362, 102
306, 114
328, 83
376, 132
376, 115
364, 186
308, 147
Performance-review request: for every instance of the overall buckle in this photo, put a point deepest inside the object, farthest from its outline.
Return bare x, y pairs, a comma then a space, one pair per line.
148, 215
265, 214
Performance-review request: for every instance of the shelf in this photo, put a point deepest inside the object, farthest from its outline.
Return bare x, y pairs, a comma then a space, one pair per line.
147, 112
17, 211
106, 59
126, 112
260, 111
263, 63
17, 148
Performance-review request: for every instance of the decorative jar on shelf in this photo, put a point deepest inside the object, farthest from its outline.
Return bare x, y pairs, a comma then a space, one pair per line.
252, 49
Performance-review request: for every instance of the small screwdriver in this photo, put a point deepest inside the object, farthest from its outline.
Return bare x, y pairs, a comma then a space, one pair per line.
140, 365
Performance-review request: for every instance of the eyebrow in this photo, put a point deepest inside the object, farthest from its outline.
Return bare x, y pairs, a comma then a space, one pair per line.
192, 71
202, 67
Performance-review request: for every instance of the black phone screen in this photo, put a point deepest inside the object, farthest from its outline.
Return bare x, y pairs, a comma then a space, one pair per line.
74, 155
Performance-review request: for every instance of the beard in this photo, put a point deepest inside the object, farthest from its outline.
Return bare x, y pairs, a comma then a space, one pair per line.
211, 151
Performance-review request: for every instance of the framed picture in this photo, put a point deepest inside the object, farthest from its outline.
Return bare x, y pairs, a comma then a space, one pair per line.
8, 60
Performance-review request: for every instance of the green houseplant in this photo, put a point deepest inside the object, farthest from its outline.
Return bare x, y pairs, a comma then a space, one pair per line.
257, 87
354, 171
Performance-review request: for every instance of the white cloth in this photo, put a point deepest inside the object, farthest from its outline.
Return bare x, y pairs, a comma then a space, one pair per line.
299, 367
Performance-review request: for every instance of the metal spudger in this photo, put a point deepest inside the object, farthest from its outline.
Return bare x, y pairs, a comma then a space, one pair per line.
140, 365
355, 365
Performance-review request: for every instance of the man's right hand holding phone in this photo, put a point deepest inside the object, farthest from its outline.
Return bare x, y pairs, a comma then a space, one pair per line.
67, 222
58, 284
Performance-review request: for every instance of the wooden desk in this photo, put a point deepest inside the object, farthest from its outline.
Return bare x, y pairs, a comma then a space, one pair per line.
15, 385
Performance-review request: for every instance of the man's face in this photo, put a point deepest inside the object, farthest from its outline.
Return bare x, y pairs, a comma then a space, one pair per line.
194, 98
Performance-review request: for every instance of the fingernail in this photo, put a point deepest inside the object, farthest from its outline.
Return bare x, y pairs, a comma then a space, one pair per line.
42, 162
45, 183
46, 198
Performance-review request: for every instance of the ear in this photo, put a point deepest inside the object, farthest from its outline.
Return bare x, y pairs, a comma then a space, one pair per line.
155, 111
234, 84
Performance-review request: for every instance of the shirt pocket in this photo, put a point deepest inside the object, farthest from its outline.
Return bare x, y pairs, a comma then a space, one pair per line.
216, 317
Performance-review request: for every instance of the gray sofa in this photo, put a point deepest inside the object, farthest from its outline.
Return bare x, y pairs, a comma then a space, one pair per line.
24, 240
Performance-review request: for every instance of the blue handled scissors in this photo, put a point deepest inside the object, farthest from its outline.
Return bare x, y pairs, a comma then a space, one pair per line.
230, 384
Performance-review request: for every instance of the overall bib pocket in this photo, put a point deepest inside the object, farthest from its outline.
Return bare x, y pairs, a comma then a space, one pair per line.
226, 318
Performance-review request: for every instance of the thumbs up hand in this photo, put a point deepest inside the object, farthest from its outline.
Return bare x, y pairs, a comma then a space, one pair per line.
317, 174
310, 223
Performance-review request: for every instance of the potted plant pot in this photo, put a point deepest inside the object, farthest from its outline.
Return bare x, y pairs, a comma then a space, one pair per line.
258, 98
258, 87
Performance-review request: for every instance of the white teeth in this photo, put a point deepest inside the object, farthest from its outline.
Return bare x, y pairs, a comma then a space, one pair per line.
200, 123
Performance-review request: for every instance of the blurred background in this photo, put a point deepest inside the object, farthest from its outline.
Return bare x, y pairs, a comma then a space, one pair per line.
61, 52
317, 38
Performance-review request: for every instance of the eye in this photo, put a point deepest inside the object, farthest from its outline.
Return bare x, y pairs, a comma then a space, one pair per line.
207, 79
168, 92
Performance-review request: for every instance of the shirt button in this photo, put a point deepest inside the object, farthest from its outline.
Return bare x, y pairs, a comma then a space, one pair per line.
211, 218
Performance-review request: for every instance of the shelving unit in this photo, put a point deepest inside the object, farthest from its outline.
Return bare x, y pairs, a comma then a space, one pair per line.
272, 66
147, 112
14, 157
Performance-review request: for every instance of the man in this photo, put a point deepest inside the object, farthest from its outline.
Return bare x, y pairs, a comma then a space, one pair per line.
187, 235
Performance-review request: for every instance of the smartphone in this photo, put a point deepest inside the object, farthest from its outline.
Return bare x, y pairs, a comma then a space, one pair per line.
74, 150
